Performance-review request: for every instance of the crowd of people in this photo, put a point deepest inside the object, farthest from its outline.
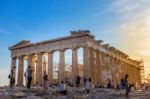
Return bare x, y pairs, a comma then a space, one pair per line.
124, 84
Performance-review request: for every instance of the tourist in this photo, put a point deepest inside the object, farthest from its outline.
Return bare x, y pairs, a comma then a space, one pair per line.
88, 85
109, 84
26, 76
84, 81
70, 83
122, 85
45, 81
62, 88
29, 70
132, 88
127, 85
78, 81
12, 79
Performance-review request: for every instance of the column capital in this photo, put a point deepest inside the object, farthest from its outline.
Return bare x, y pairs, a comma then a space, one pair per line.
22, 56
50, 52
74, 48
62, 50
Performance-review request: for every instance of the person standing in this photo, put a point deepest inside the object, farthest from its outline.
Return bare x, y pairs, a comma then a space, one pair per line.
12, 78
78, 81
29, 70
45, 81
88, 85
127, 85
26, 77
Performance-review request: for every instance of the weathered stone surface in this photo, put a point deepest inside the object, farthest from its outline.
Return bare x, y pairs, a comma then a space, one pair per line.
76, 93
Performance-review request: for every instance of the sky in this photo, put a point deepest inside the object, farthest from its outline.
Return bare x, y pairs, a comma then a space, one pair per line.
124, 24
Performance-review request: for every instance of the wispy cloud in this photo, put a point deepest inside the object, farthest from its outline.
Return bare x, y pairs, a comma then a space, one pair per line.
133, 27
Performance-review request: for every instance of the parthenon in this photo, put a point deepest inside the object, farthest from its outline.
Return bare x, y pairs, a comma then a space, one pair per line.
100, 61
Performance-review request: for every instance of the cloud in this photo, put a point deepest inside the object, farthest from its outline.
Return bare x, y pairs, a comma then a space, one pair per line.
133, 27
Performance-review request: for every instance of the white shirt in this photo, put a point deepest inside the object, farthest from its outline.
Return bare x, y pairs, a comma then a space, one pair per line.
88, 85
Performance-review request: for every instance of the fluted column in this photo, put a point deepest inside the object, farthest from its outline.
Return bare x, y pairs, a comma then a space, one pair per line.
92, 64
139, 77
74, 65
86, 63
50, 67
31, 63
20, 71
13, 67
39, 69
62, 66
97, 67
13, 63
103, 76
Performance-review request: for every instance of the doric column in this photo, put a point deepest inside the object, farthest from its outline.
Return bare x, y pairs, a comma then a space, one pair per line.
20, 71
13, 63
98, 71
13, 67
62, 66
139, 77
44, 67
103, 76
86, 62
133, 72
74, 65
31, 63
50, 67
39, 69
113, 69
92, 65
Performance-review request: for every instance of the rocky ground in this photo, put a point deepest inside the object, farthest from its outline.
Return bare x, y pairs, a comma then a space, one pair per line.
73, 93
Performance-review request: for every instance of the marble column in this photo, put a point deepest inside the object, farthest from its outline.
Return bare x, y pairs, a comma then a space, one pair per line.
44, 67
13, 67
139, 77
92, 65
86, 62
97, 67
100, 69
103, 76
74, 65
62, 66
113, 69
133, 74
20, 71
13, 63
31, 63
39, 69
50, 67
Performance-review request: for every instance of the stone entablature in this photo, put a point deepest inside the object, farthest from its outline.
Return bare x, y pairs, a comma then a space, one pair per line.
109, 60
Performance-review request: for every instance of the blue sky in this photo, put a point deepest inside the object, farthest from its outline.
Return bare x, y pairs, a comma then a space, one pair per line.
38, 20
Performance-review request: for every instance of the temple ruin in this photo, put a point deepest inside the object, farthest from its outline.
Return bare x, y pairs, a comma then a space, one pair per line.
100, 61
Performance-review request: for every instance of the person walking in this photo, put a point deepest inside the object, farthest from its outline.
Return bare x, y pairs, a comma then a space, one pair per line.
45, 81
29, 71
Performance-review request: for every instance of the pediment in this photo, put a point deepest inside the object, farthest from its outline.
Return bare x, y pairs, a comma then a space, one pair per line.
21, 43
